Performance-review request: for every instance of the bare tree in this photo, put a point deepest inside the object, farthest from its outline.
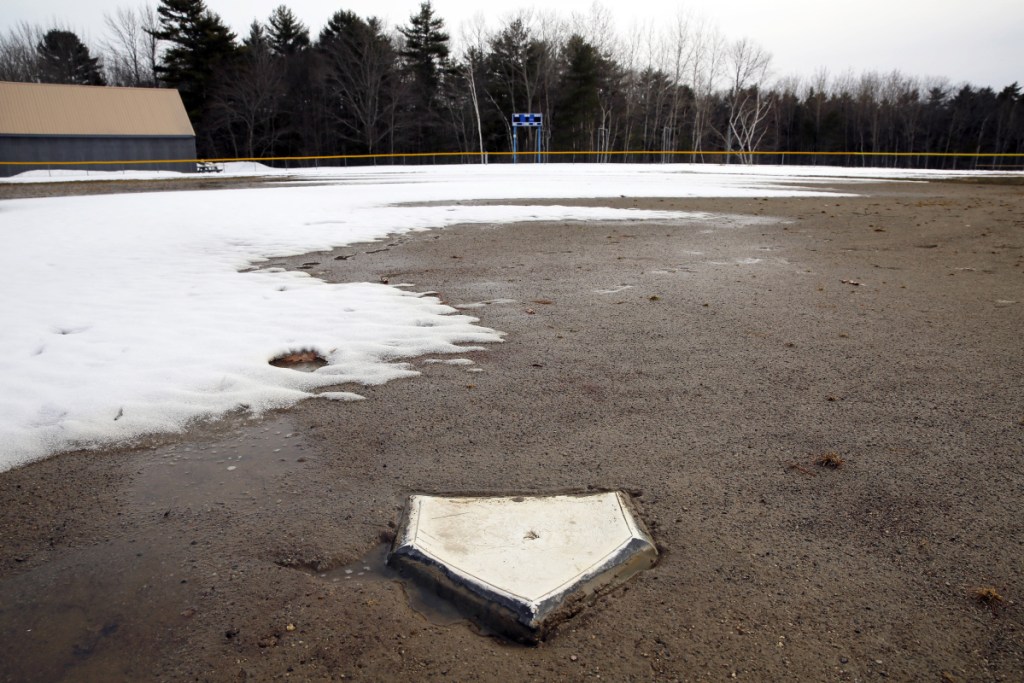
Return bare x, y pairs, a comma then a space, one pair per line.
474, 39
629, 55
747, 123
551, 32
816, 96
749, 101
596, 26
19, 59
866, 112
678, 54
247, 104
901, 95
364, 81
707, 47
130, 50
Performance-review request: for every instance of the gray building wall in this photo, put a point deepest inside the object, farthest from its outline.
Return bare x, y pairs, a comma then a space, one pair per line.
45, 148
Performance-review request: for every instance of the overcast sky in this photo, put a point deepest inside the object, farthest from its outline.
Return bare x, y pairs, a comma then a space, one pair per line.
978, 41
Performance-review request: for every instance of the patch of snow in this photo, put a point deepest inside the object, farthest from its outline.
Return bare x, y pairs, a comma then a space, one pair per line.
69, 175
132, 316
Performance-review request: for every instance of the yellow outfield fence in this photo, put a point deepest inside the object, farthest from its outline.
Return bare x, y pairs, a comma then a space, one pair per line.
528, 155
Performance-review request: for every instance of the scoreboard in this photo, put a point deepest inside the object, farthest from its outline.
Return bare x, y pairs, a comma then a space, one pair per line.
527, 120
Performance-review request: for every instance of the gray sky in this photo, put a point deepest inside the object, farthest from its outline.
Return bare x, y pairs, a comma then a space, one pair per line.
979, 41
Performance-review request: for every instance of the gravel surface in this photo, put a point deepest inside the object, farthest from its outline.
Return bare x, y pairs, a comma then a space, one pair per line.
703, 367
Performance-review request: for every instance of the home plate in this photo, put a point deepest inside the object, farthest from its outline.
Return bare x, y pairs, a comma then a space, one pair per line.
522, 564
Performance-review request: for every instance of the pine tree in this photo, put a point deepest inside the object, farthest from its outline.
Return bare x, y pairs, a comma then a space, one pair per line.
256, 41
425, 57
65, 59
201, 47
286, 34
580, 102
426, 50
338, 25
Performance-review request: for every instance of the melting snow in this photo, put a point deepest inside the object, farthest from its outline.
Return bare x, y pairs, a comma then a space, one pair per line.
132, 316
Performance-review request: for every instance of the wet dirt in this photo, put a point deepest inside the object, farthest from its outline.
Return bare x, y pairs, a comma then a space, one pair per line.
422, 599
91, 187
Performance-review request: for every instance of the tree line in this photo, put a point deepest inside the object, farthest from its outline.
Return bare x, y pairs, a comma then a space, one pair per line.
359, 87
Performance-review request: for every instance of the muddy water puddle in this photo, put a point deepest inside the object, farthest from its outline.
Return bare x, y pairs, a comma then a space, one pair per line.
102, 610
90, 614
428, 604
244, 465
240, 464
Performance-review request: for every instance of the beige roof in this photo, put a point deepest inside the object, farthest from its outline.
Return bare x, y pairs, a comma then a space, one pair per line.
48, 109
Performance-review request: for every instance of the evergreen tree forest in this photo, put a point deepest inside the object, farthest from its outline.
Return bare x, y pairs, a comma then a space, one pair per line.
356, 86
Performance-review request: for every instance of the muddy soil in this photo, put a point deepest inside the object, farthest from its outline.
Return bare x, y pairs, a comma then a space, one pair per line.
88, 187
704, 366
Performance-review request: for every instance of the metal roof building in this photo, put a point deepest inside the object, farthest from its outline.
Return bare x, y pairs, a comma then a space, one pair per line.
45, 126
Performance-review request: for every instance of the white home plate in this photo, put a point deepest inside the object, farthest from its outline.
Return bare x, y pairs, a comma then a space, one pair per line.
522, 564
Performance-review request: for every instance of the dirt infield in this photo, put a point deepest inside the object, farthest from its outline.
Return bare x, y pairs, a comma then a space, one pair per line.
88, 187
711, 368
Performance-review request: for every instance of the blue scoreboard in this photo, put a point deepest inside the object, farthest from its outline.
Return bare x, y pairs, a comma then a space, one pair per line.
527, 120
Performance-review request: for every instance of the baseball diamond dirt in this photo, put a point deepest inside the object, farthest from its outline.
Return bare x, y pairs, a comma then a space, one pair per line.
817, 406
